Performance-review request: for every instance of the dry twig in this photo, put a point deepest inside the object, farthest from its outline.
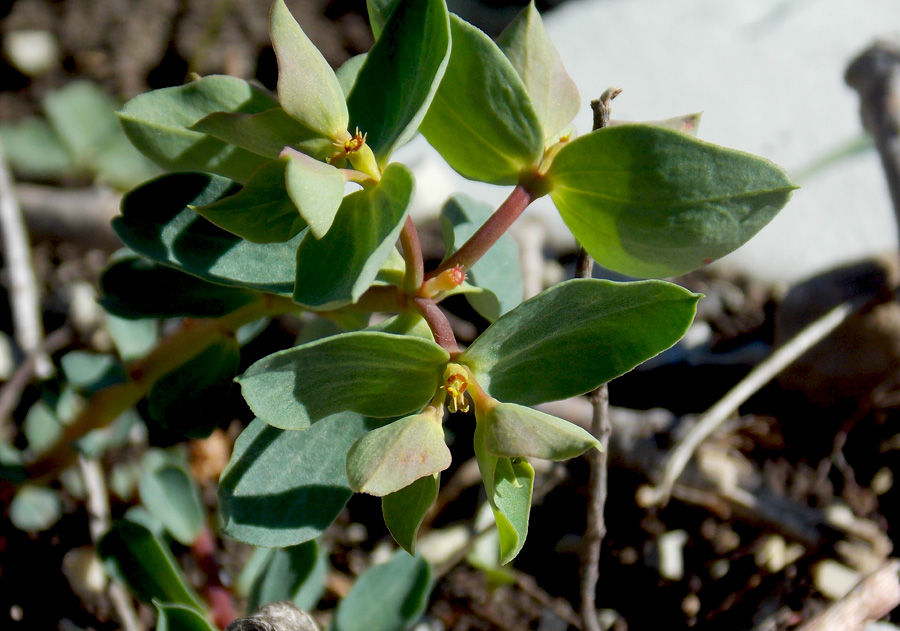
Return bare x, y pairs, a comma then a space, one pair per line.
595, 530
23, 291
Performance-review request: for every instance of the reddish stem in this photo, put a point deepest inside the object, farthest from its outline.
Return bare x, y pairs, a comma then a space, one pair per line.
438, 323
494, 228
218, 597
412, 255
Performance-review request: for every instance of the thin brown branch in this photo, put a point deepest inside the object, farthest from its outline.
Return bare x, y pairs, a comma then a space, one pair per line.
412, 255
438, 323
601, 428
749, 385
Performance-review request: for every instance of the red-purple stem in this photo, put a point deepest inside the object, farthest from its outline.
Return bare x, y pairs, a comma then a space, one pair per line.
412, 255
494, 228
438, 323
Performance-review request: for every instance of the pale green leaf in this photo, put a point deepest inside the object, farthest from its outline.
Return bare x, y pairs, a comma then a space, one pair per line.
316, 189
529, 49
481, 120
372, 373
394, 456
266, 133
307, 87
158, 123
576, 335
174, 617
648, 201
517, 431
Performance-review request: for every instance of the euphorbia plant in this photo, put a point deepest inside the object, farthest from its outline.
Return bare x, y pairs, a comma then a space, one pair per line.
259, 214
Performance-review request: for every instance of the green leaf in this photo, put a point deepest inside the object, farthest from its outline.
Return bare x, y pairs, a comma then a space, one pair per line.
512, 431
83, 116
576, 335
90, 372
372, 373
307, 87
193, 399
336, 270
174, 617
134, 555
266, 133
527, 45
262, 211
35, 508
134, 287
379, 12
401, 74
405, 510
349, 71
481, 120
387, 597
508, 483
169, 493
34, 150
158, 123
157, 222
394, 456
649, 201
282, 488
317, 190
132, 338
498, 270
286, 576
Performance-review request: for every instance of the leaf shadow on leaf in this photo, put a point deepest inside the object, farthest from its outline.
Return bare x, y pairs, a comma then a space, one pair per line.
169, 232
329, 499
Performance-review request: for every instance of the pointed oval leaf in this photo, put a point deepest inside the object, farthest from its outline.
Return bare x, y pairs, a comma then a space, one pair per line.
686, 123
376, 374
134, 287
133, 554
648, 201
394, 456
158, 123
316, 189
157, 221
401, 74
336, 270
498, 271
387, 597
307, 87
574, 336
405, 510
266, 133
287, 574
262, 211
173, 617
283, 488
169, 493
515, 431
508, 483
481, 120
527, 45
